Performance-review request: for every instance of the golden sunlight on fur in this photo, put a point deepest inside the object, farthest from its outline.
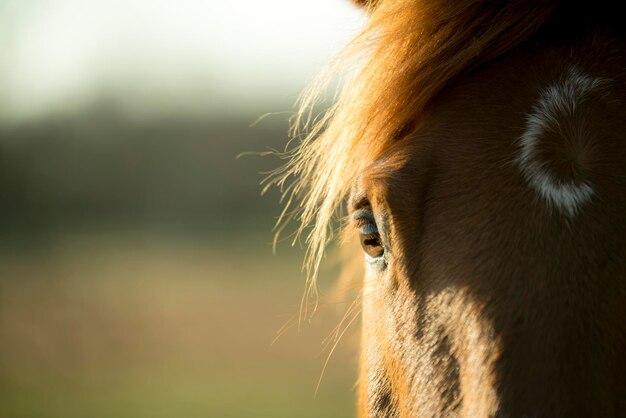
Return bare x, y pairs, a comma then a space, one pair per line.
407, 53
479, 150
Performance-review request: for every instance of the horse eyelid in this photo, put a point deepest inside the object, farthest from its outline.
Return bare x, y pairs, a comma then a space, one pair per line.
363, 215
368, 228
365, 222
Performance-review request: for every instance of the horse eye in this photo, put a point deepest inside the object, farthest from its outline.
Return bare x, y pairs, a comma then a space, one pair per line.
370, 237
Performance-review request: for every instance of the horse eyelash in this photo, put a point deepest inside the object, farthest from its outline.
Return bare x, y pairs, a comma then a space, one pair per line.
362, 221
363, 216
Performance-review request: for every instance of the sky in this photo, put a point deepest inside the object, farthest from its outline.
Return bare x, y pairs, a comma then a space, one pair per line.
213, 57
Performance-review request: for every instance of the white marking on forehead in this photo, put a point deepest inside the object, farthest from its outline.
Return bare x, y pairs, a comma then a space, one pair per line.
557, 101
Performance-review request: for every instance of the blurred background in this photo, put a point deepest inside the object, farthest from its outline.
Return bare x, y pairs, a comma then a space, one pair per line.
136, 271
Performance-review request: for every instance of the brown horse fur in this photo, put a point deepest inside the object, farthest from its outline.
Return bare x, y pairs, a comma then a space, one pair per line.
487, 139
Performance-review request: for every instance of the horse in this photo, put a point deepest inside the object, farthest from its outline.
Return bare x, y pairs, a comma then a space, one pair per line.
477, 149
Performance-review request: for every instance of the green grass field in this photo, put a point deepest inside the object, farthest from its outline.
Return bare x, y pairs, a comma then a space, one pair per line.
115, 325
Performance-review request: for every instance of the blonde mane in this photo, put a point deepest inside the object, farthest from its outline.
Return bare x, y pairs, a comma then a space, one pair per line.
406, 55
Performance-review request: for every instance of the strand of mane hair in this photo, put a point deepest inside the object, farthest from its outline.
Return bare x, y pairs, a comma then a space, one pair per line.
405, 56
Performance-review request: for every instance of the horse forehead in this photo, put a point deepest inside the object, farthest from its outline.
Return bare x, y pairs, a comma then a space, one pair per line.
485, 116
478, 107
399, 164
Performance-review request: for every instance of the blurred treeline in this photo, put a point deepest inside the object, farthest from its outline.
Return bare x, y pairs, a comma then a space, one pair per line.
102, 168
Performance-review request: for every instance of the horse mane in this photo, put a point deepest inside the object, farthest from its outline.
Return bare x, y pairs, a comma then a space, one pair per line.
409, 51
